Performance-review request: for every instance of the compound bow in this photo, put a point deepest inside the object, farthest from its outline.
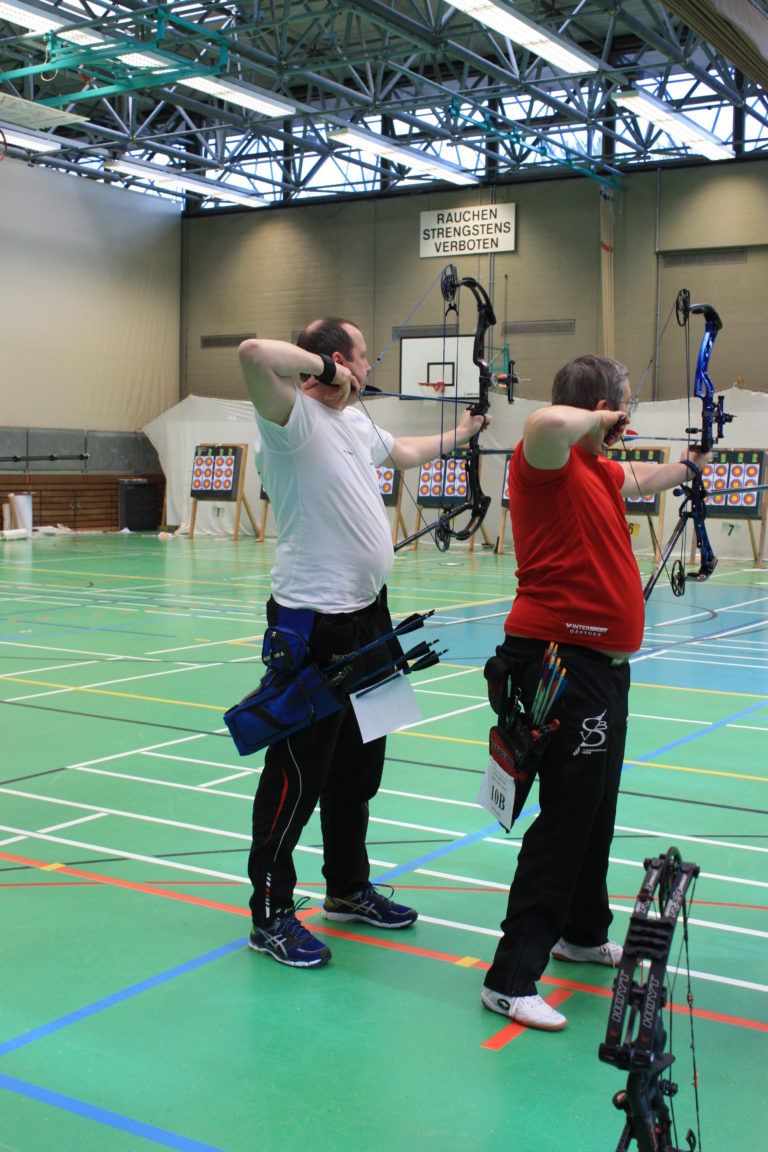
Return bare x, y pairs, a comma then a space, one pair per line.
694, 493
649, 1121
477, 503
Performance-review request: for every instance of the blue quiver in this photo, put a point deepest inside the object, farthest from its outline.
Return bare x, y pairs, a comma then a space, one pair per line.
281, 705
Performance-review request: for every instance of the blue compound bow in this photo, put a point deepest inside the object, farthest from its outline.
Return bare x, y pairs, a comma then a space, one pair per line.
713, 421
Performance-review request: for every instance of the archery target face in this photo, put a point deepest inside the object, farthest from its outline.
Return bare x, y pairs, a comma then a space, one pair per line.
728, 483
386, 480
443, 478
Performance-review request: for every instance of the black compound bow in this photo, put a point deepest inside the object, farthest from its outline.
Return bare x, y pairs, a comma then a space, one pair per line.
636, 1038
477, 503
694, 493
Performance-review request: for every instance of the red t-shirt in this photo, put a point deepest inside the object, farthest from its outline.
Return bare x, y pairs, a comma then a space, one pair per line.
578, 581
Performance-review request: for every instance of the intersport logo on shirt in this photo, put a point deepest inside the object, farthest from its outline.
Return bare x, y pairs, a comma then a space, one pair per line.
593, 730
585, 629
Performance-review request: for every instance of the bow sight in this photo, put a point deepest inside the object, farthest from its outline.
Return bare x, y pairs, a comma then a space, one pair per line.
636, 1039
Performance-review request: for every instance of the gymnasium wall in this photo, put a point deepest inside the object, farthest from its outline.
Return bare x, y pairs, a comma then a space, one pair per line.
89, 282
704, 228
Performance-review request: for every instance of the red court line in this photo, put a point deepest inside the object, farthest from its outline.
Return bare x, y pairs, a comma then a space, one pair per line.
392, 945
130, 884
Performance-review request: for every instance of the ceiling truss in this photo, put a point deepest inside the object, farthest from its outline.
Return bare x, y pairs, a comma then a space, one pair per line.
418, 72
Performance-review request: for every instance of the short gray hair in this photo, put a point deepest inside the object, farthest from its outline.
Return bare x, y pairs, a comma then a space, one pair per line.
585, 381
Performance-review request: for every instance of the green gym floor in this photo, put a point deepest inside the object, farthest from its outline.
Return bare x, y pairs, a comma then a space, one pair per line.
134, 1015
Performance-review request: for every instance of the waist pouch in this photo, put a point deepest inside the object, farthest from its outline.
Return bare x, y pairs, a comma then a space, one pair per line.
281, 705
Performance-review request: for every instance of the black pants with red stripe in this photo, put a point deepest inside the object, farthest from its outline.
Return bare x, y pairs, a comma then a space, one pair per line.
559, 887
326, 762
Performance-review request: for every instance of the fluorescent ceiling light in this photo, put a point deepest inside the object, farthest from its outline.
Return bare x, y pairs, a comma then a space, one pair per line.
409, 157
245, 95
59, 20
33, 141
674, 123
33, 19
48, 20
170, 180
503, 18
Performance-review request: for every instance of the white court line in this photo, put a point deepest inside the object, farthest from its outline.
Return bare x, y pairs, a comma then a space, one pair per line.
443, 716
702, 875
71, 651
209, 785
50, 668
104, 850
102, 684
432, 799
188, 760
71, 823
138, 751
454, 695
692, 839
696, 659
207, 644
140, 816
201, 789
120, 853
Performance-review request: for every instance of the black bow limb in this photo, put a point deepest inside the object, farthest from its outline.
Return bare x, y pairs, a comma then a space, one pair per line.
477, 502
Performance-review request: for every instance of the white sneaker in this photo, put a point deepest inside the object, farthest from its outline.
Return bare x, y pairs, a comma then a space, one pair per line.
531, 1011
608, 954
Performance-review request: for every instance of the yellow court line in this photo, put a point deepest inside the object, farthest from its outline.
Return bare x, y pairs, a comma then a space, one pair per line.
433, 736
699, 771
706, 691
105, 692
642, 684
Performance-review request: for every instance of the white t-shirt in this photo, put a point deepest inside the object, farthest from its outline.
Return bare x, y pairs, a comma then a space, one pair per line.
334, 543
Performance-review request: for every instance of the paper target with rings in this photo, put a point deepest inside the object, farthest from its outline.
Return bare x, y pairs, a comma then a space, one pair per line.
389, 484
736, 473
442, 481
216, 472
649, 505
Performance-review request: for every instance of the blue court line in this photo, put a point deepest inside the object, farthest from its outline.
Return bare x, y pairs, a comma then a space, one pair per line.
701, 732
118, 997
455, 845
103, 1116
444, 850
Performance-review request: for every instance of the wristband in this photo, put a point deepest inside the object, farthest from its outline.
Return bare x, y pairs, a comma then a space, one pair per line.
328, 374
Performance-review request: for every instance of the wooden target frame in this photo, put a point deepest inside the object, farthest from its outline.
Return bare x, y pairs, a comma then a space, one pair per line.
227, 494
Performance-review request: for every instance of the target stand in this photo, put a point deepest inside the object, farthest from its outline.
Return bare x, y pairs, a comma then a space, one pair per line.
218, 476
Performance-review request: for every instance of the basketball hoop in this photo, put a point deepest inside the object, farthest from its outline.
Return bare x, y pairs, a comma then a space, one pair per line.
436, 385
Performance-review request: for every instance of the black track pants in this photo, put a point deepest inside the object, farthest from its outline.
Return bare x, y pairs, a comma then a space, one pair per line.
326, 762
559, 887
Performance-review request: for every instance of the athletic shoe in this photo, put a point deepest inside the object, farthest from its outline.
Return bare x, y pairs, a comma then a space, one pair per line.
608, 954
286, 940
369, 906
531, 1011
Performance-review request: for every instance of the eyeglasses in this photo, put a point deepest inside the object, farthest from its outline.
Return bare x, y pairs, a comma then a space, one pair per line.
630, 405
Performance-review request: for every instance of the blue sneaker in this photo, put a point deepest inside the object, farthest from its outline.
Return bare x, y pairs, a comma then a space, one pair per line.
369, 906
288, 941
